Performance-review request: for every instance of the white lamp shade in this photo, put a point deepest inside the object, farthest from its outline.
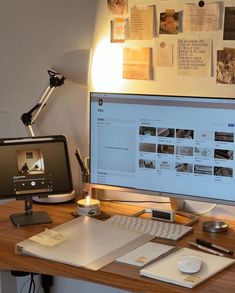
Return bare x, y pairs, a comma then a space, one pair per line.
74, 66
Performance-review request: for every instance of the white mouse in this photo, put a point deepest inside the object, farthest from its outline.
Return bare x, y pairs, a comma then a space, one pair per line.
189, 263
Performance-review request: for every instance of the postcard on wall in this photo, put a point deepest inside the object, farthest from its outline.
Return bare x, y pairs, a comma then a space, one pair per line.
141, 25
229, 23
194, 57
204, 18
164, 54
118, 30
137, 63
169, 22
225, 71
117, 7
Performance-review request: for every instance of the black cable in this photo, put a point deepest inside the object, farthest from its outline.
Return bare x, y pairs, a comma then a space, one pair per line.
133, 201
32, 283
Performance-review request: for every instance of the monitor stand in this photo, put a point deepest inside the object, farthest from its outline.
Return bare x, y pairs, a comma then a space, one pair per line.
178, 205
29, 217
190, 206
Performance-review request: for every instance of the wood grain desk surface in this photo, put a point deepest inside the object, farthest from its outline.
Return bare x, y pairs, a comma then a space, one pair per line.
115, 274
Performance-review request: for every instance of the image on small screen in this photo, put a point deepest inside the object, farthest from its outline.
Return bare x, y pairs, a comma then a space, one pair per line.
30, 162
32, 176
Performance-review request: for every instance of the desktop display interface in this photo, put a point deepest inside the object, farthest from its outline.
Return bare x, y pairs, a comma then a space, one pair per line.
169, 144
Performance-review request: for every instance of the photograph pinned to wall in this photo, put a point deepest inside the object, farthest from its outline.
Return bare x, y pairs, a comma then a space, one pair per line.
142, 23
194, 57
164, 54
225, 70
117, 7
169, 22
199, 18
137, 63
229, 23
118, 30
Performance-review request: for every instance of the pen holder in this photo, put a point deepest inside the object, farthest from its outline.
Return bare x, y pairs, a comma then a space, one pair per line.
85, 179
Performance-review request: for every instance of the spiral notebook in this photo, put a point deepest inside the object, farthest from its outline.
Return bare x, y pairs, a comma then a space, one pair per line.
164, 268
144, 254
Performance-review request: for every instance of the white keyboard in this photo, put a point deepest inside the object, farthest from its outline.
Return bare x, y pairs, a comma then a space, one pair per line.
156, 228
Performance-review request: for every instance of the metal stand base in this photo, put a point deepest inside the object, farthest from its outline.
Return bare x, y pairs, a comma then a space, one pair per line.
23, 219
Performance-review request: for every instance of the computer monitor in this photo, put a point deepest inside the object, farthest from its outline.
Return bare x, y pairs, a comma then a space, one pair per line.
37, 166
179, 146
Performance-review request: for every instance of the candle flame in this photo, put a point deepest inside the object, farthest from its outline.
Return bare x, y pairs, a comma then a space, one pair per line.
88, 199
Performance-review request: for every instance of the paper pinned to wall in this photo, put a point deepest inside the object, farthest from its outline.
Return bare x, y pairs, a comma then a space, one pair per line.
194, 57
117, 7
118, 30
169, 22
229, 20
225, 71
141, 23
164, 54
205, 18
137, 63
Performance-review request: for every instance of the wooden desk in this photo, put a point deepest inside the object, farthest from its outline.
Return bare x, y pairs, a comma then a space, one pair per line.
115, 274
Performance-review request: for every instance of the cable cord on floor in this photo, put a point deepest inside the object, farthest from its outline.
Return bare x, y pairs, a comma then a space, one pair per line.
31, 282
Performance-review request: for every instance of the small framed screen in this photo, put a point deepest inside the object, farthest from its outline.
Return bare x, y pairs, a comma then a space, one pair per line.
37, 166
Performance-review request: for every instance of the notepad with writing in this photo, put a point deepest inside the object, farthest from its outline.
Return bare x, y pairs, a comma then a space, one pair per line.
165, 268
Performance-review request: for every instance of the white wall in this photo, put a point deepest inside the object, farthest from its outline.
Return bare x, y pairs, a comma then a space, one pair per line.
33, 35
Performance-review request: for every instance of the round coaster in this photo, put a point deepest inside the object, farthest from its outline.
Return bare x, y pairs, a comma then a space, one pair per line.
215, 226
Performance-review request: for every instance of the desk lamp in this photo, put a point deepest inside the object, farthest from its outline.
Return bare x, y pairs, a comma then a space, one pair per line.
64, 67
73, 66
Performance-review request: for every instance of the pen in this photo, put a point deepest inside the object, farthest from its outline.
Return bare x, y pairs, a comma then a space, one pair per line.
80, 161
212, 245
205, 248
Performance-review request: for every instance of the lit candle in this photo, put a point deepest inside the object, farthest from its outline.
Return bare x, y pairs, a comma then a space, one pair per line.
88, 207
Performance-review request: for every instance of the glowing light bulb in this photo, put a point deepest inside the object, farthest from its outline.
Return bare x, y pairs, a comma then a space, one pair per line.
106, 69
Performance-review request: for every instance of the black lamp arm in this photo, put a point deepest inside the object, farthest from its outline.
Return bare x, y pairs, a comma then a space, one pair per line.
27, 117
55, 80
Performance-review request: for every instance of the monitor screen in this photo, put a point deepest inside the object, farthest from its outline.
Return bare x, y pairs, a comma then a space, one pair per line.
37, 166
182, 146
